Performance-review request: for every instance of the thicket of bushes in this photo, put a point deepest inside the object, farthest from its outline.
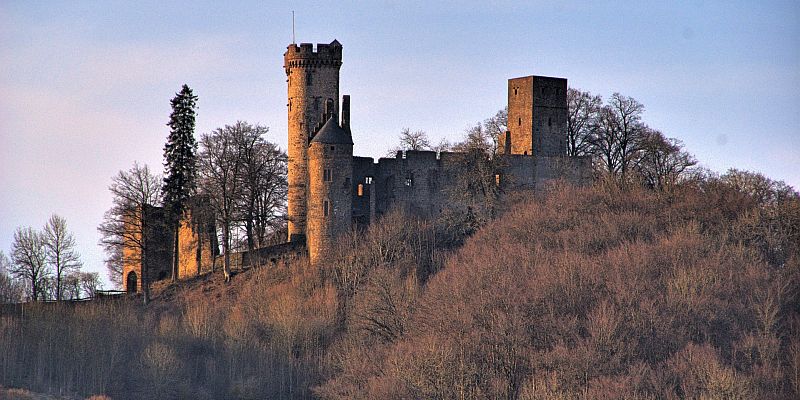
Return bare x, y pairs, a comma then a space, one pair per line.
579, 293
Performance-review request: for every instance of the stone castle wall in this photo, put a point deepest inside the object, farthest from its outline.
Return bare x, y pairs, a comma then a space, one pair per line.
423, 181
356, 190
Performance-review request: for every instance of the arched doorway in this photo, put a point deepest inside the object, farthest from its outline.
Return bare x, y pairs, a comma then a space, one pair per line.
131, 282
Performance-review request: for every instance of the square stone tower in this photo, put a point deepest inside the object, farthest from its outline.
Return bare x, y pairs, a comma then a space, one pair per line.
537, 117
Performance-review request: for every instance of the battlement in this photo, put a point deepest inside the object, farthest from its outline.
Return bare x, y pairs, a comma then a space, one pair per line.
305, 55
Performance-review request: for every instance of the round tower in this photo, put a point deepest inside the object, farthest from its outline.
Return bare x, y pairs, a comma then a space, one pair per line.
330, 201
313, 81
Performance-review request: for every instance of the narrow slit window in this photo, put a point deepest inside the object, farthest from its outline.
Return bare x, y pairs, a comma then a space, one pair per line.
326, 208
519, 121
360, 190
410, 180
368, 180
326, 175
497, 179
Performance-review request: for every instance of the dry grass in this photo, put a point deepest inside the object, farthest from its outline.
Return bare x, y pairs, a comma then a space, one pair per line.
579, 293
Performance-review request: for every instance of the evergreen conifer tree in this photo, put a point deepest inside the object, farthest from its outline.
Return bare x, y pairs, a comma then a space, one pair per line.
179, 163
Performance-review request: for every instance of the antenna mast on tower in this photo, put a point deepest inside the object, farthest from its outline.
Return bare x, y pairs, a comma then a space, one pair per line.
293, 41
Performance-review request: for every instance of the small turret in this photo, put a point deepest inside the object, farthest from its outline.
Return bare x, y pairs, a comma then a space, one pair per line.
330, 201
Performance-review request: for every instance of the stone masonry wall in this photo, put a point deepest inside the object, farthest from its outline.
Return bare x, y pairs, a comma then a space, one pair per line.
537, 116
330, 204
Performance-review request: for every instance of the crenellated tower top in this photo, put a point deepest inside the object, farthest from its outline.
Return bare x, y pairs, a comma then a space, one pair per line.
305, 55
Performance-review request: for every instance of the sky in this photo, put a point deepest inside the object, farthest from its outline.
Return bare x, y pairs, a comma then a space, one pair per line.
85, 85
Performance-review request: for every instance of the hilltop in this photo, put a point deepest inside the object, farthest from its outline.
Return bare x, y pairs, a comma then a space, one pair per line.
598, 292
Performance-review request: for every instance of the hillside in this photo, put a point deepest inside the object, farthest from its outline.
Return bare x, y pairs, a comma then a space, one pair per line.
596, 292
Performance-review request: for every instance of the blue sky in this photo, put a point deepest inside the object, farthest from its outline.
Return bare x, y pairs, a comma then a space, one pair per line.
85, 86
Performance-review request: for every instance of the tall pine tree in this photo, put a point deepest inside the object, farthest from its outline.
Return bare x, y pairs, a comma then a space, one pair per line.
179, 164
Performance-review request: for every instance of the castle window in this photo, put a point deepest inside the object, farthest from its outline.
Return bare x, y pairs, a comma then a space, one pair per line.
519, 121
326, 175
326, 208
549, 121
328, 108
368, 180
497, 179
309, 79
333, 148
360, 190
515, 91
410, 180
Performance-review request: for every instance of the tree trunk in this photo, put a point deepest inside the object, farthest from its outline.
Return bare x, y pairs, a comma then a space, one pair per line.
145, 279
175, 250
251, 243
226, 247
58, 272
199, 251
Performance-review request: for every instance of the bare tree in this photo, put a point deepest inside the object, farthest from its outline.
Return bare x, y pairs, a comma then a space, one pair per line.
29, 255
661, 161
616, 136
411, 141
220, 169
261, 207
10, 289
126, 225
61, 253
496, 126
417, 140
583, 108
761, 189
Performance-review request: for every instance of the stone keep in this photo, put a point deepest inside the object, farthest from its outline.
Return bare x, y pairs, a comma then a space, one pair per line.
313, 81
537, 117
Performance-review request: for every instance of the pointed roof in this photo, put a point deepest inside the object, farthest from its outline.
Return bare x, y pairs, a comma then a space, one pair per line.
332, 133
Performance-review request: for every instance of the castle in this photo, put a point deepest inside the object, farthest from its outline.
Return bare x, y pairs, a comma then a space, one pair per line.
331, 191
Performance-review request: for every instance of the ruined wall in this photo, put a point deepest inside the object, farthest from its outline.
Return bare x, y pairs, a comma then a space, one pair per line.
197, 245
423, 182
364, 193
313, 81
194, 239
330, 205
157, 243
413, 179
